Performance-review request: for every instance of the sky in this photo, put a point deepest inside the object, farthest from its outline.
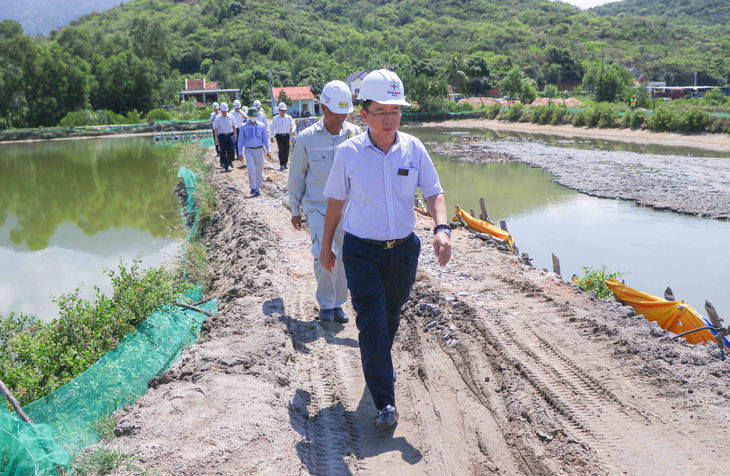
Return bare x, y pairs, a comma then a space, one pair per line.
587, 3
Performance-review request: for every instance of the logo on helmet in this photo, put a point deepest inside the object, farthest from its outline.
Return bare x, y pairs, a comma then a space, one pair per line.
343, 104
394, 87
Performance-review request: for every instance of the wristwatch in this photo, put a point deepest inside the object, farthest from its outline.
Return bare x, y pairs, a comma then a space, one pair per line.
445, 228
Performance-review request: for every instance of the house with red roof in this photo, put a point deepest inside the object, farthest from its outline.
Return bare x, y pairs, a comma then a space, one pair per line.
303, 103
203, 91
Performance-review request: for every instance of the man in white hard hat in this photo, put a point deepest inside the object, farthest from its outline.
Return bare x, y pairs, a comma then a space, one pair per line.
377, 174
262, 114
311, 162
240, 119
224, 129
213, 115
282, 128
255, 138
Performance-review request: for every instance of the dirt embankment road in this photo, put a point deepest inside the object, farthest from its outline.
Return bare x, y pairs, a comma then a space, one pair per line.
502, 369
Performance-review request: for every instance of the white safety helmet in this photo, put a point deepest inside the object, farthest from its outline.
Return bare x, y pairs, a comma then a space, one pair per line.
384, 87
337, 96
257, 103
215, 105
237, 103
282, 106
224, 106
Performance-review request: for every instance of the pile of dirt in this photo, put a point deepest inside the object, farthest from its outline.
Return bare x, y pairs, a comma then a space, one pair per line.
570, 103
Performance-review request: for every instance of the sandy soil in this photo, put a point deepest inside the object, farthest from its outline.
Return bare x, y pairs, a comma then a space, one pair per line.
502, 369
719, 142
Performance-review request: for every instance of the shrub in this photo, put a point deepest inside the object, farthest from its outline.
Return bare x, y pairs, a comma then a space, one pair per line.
133, 117
86, 117
662, 120
692, 120
559, 115
586, 117
594, 279
74, 119
718, 125
637, 119
43, 357
542, 114
624, 121
715, 97
493, 111
607, 115
157, 115
514, 113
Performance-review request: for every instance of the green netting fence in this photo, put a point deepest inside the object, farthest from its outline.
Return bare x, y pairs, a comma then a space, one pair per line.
65, 420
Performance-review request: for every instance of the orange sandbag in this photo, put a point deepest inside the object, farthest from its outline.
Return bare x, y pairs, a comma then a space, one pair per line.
674, 316
484, 227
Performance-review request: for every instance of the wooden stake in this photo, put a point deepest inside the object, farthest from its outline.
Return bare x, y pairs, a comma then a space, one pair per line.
668, 294
484, 209
503, 225
556, 265
14, 403
193, 308
712, 314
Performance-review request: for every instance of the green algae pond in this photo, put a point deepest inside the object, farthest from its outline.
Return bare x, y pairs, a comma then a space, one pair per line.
69, 209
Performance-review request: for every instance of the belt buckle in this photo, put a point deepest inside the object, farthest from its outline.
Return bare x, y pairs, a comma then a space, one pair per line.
389, 244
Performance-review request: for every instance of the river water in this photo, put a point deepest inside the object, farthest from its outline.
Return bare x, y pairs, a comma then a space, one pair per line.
655, 249
70, 209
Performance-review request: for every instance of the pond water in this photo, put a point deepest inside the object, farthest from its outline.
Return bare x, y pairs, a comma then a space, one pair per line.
656, 249
70, 209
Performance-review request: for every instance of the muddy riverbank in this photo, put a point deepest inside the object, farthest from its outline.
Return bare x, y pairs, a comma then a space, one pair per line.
691, 185
502, 369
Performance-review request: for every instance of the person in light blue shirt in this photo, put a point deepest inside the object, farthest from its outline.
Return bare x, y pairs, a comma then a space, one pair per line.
378, 172
254, 137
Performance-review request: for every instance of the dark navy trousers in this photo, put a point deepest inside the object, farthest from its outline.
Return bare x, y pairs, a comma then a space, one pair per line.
226, 146
380, 282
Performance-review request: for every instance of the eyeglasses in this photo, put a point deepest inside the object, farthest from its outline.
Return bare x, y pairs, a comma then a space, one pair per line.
385, 115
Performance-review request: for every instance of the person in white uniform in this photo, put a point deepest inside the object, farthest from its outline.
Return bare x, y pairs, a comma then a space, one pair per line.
240, 119
282, 129
376, 174
311, 162
262, 114
213, 115
224, 128
255, 138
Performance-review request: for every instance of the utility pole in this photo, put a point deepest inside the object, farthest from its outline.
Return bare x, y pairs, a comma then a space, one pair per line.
695, 78
600, 79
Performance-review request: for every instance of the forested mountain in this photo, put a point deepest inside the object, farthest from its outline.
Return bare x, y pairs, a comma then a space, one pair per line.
135, 56
39, 17
707, 12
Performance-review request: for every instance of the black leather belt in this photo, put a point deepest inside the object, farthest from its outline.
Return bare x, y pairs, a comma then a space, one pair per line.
389, 244
252, 148
228, 134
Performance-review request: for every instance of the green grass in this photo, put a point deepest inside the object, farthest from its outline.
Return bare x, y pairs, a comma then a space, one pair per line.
594, 279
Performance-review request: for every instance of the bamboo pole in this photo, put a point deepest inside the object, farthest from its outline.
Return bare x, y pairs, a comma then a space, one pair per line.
14, 403
194, 308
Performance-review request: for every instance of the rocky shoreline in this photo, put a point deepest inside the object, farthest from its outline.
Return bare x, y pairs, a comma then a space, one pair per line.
689, 185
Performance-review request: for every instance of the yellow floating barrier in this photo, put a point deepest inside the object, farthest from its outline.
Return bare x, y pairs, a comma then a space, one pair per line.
674, 316
484, 227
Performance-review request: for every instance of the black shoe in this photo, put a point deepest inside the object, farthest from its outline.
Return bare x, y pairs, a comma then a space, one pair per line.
340, 315
386, 418
326, 315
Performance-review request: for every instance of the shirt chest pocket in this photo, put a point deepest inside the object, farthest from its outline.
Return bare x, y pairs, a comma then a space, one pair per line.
321, 159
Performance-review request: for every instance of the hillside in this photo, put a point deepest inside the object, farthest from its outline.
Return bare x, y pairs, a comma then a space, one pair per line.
40, 17
135, 55
704, 12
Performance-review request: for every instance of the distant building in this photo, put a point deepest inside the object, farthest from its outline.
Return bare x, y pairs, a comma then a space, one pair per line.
638, 77
302, 100
354, 81
202, 91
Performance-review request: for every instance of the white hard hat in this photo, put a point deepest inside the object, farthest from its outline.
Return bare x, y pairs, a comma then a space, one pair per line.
257, 103
384, 87
282, 106
215, 105
224, 106
337, 96
236, 103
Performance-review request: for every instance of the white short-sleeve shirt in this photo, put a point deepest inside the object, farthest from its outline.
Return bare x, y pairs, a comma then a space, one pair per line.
381, 186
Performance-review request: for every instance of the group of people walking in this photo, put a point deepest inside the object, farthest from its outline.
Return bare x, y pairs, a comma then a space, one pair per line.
246, 134
356, 191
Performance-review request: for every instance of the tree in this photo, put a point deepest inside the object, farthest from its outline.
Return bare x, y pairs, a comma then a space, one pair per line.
283, 98
455, 74
611, 83
550, 91
516, 84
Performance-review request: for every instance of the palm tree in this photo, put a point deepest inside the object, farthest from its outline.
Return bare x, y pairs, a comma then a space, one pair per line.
455, 74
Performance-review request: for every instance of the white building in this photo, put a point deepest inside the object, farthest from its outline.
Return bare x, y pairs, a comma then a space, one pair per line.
354, 81
302, 100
